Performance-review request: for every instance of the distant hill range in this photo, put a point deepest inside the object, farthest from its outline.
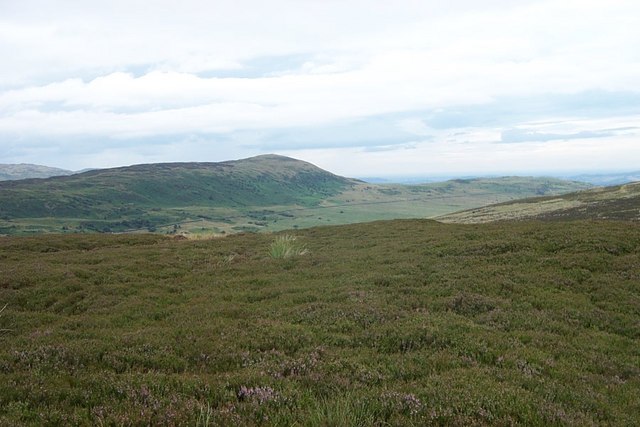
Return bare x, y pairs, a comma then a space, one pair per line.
621, 202
26, 171
260, 193
608, 179
597, 179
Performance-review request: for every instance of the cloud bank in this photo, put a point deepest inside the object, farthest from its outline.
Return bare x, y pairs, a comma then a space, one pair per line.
505, 86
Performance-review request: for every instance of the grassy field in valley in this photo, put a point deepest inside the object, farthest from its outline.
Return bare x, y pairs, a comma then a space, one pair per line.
407, 322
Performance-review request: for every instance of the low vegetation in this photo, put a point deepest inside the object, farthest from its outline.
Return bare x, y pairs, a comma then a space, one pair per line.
390, 323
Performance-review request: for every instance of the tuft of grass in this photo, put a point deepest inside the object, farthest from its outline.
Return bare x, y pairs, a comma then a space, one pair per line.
205, 416
285, 246
3, 330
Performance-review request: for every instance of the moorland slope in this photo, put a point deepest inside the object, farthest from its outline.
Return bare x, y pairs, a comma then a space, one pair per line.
408, 322
621, 202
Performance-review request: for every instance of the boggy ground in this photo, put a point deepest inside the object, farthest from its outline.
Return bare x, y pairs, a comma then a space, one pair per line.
389, 323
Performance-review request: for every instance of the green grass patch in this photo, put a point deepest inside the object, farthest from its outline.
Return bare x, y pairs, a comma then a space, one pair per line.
285, 246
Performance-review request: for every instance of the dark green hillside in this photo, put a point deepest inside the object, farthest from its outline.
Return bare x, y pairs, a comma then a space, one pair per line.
621, 202
390, 323
263, 180
131, 197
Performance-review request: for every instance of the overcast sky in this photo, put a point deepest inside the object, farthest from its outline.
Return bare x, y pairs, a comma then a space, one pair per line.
358, 87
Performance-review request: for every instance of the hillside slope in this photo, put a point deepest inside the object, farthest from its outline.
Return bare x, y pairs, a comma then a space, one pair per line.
132, 196
262, 180
620, 202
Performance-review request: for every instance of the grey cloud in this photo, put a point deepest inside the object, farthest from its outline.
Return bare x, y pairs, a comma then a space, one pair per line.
370, 132
262, 66
512, 136
382, 148
509, 111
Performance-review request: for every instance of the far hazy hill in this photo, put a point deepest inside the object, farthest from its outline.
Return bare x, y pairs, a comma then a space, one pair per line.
261, 193
26, 171
620, 202
608, 179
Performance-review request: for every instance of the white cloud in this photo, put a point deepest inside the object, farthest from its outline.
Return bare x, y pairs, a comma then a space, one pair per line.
481, 158
118, 70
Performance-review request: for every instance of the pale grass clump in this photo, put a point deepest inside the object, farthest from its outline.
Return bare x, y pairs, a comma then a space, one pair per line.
205, 417
2, 331
285, 246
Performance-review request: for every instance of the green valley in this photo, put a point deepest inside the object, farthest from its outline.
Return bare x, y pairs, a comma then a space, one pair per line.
264, 193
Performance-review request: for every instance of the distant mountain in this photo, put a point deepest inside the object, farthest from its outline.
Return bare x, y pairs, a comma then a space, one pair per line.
261, 193
620, 202
595, 179
25, 171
